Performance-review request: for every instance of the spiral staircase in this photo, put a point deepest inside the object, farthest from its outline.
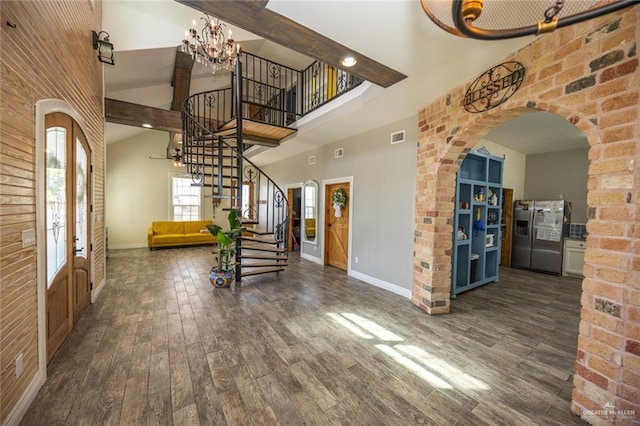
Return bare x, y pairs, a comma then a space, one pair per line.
258, 108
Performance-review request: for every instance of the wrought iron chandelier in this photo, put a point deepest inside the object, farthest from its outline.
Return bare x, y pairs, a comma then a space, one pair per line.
211, 48
502, 19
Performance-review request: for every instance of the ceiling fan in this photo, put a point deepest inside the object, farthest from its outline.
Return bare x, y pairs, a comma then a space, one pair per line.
177, 158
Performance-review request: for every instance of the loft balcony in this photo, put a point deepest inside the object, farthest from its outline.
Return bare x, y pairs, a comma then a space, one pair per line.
274, 98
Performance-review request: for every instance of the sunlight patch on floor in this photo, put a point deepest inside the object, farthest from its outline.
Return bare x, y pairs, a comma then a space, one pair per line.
415, 368
450, 373
350, 326
430, 368
373, 328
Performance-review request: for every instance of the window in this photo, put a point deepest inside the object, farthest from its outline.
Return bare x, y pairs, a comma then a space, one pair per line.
185, 199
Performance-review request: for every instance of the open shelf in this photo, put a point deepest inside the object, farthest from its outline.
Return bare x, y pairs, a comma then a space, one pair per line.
477, 220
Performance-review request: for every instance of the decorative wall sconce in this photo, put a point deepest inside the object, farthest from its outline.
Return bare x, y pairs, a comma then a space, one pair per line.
103, 46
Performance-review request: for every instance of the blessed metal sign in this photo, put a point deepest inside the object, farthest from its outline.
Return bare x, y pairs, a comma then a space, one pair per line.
494, 87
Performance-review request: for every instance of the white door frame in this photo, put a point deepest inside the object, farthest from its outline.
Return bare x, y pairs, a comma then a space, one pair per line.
43, 108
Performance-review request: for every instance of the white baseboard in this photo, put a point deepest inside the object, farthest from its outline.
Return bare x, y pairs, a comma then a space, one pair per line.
127, 246
20, 409
401, 291
310, 258
97, 290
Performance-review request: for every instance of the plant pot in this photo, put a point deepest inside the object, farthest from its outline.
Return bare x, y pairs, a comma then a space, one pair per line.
221, 279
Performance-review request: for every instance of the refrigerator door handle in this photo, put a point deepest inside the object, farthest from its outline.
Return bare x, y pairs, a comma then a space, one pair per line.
532, 227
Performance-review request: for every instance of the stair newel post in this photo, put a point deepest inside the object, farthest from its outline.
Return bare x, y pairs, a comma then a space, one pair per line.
218, 169
240, 153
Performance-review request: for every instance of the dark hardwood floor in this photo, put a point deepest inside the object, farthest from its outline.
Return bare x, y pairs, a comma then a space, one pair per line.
310, 346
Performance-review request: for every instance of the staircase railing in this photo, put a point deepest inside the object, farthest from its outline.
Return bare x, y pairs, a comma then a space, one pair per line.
213, 145
235, 182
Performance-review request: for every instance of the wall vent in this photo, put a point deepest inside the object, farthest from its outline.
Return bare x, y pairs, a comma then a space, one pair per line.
397, 137
312, 160
339, 153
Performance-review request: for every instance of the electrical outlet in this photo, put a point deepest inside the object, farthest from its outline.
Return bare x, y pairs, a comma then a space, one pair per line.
19, 365
356, 259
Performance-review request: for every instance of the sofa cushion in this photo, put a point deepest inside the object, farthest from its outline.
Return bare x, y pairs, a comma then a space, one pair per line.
168, 228
195, 226
168, 239
199, 238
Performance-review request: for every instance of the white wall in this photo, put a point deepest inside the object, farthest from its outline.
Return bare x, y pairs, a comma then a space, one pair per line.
137, 188
514, 166
382, 195
560, 175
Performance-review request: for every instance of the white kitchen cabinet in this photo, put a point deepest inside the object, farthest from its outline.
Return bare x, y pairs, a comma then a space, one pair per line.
573, 257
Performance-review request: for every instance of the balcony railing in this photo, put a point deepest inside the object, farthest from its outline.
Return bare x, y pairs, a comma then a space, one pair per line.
279, 95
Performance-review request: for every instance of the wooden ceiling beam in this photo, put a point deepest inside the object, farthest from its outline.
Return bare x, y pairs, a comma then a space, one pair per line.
253, 16
130, 114
181, 79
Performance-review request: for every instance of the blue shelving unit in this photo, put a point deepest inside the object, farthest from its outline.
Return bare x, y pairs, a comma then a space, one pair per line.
477, 216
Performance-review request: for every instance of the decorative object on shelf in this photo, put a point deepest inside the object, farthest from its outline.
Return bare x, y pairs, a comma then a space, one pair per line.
488, 240
463, 17
339, 199
492, 217
223, 274
104, 47
461, 234
477, 223
211, 48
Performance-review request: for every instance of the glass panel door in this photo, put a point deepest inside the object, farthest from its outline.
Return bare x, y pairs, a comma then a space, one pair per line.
56, 200
82, 221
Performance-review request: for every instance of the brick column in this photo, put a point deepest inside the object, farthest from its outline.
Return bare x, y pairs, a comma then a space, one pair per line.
588, 74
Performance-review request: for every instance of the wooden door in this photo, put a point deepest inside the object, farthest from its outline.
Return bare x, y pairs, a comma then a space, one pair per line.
81, 283
293, 233
58, 177
336, 233
68, 249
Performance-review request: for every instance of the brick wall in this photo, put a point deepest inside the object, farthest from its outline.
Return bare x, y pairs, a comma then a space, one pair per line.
587, 73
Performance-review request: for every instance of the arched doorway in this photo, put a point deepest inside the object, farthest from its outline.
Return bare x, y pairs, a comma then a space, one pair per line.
67, 206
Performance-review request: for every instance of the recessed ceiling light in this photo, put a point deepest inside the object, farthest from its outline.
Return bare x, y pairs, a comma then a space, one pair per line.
147, 126
348, 61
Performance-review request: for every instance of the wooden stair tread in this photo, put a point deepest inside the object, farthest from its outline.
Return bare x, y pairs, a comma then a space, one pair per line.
260, 271
264, 248
259, 231
263, 265
262, 257
261, 240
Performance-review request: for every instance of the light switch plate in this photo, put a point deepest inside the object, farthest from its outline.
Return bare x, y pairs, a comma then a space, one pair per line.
28, 238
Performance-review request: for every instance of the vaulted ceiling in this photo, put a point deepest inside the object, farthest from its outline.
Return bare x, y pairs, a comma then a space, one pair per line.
412, 61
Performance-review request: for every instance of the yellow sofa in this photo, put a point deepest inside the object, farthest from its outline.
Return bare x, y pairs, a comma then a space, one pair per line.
310, 228
173, 234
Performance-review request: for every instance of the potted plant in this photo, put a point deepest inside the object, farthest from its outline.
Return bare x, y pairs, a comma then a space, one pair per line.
223, 274
339, 199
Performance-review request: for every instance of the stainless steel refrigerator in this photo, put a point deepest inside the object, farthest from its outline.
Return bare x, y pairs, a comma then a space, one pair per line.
539, 228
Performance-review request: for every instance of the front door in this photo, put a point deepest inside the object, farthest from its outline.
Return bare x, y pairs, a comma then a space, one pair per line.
336, 246
81, 239
67, 177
